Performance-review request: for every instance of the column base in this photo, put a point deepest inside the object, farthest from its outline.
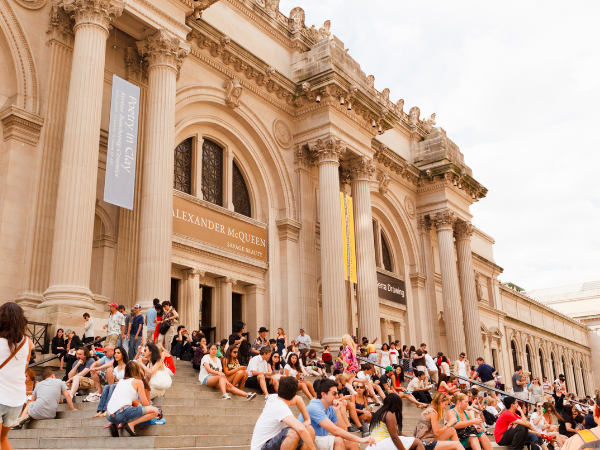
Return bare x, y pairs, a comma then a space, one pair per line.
334, 342
29, 300
76, 296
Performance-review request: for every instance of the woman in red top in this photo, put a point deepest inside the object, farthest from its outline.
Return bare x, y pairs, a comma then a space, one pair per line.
159, 316
167, 358
449, 388
327, 358
397, 380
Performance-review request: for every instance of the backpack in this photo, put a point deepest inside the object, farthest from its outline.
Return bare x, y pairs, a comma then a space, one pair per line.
590, 440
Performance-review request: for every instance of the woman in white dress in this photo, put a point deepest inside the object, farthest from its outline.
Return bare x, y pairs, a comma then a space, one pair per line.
384, 357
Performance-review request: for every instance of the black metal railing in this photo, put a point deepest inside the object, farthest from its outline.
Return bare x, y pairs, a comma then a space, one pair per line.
38, 333
50, 358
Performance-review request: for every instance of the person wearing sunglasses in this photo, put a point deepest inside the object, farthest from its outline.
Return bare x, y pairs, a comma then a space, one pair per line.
536, 391
234, 371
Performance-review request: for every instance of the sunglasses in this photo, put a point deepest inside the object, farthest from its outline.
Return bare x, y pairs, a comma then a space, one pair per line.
234, 353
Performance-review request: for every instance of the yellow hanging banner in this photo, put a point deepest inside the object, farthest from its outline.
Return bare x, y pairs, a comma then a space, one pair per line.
348, 235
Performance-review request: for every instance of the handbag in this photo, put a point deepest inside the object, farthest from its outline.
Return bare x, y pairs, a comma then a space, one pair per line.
161, 379
466, 432
164, 328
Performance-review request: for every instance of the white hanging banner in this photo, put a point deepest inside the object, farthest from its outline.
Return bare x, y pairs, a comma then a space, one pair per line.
119, 183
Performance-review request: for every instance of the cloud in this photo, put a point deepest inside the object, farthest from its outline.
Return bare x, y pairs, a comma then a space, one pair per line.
517, 86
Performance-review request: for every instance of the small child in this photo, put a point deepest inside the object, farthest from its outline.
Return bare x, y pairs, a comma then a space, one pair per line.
579, 421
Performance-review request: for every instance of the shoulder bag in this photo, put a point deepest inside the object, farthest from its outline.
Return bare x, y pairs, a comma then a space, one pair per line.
161, 379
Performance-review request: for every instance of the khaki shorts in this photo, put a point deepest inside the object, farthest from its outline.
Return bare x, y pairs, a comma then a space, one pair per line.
324, 442
149, 336
111, 339
86, 383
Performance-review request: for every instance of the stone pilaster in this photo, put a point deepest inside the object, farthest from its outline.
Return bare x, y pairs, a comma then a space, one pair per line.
468, 290
190, 310
335, 324
367, 296
76, 198
455, 334
309, 310
257, 311
225, 314
432, 329
165, 55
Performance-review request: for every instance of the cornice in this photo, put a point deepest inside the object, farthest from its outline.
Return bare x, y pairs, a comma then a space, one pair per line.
393, 164
289, 230
21, 125
487, 262
146, 5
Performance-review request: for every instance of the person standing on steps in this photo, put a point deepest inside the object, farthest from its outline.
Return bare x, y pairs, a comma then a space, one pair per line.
486, 373
115, 328
277, 428
237, 338
88, 326
328, 421
169, 316
150, 320
303, 340
136, 329
124, 338
15, 351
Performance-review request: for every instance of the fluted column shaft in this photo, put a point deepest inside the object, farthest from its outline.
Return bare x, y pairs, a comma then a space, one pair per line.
455, 334
332, 265
75, 206
367, 296
468, 291
226, 313
190, 310
165, 55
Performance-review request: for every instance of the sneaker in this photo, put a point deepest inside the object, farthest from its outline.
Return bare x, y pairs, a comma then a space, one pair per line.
352, 429
250, 396
266, 397
226, 397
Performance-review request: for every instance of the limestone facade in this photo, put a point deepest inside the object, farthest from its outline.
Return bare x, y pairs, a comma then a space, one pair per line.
263, 120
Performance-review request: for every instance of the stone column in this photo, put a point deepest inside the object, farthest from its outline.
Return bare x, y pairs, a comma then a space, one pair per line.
430, 307
257, 313
367, 295
455, 333
225, 312
76, 198
165, 55
468, 290
228, 180
335, 321
190, 310
309, 310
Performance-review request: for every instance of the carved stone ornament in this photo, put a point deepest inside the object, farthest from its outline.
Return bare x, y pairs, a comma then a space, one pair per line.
428, 124
425, 223
96, 12
361, 169
164, 49
296, 20
321, 33
233, 92
282, 133
384, 181
272, 7
413, 116
371, 81
329, 150
410, 207
478, 287
400, 106
137, 69
463, 230
31, 4
304, 157
444, 220
60, 28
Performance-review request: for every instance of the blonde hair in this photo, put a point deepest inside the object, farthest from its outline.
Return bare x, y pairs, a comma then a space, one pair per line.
491, 401
458, 397
282, 332
436, 403
347, 341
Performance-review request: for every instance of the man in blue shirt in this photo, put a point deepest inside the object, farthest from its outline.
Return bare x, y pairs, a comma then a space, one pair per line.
487, 374
327, 419
136, 327
150, 318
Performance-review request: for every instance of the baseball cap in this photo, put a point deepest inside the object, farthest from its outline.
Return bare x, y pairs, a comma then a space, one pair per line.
138, 306
389, 369
302, 329
114, 305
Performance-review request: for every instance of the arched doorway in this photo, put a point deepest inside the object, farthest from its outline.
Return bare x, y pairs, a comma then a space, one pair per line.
528, 357
542, 366
552, 359
513, 350
564, 364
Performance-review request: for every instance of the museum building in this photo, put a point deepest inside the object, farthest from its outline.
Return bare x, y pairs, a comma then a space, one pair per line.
251, 124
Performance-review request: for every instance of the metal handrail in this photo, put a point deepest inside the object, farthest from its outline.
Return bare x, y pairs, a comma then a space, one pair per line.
572, 401
380, 366
50, 358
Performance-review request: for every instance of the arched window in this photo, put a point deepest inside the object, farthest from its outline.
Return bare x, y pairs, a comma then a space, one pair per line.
241, 197
542, 363
513, 349
528, 355
182, 176
565, 373
553, 365
385, 254
212, 172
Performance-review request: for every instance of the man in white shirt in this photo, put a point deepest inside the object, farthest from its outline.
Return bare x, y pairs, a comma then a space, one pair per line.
115, 328
88, 326
418, 388
303, 341
365, 376
431, 367
277, 428
260, 374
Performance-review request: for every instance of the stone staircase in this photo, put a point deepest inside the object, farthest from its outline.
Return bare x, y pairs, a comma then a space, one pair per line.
196, 416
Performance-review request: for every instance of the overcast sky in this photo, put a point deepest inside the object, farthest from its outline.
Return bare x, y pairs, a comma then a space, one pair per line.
517, 86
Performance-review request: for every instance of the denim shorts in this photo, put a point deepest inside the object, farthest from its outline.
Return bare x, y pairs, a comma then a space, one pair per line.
126, 414
205, 381
9, 414
275, 442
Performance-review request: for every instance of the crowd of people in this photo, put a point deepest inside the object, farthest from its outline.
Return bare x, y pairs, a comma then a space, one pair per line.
354, 396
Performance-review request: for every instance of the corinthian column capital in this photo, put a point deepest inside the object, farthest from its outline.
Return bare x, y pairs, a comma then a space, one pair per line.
424, 224
93, 12
329, 150
463, 230
444, 220
361, 169
164, 49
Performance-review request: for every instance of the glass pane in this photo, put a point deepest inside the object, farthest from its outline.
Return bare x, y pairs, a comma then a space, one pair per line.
241, 197
385, 254
212, 173
182, 176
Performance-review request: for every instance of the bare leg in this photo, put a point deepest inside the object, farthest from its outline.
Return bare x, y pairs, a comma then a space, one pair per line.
74, 386
448, 445
338, 444
243, 380
485, 443
379, 391
474, 443
349, 445
236, 391
275, 384
263, 384
352, 410
350, 388
151, 413
96, 379
217, 382
417, 445
237, 378
450, 434
110, 376
303, 388
311, 431
311, 389
4, 444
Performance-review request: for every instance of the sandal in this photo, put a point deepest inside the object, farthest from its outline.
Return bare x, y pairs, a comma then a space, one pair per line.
114, 431
127, 428
100, 414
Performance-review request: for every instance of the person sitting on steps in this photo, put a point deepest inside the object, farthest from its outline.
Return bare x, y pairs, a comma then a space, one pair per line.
236, 374
260, 374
